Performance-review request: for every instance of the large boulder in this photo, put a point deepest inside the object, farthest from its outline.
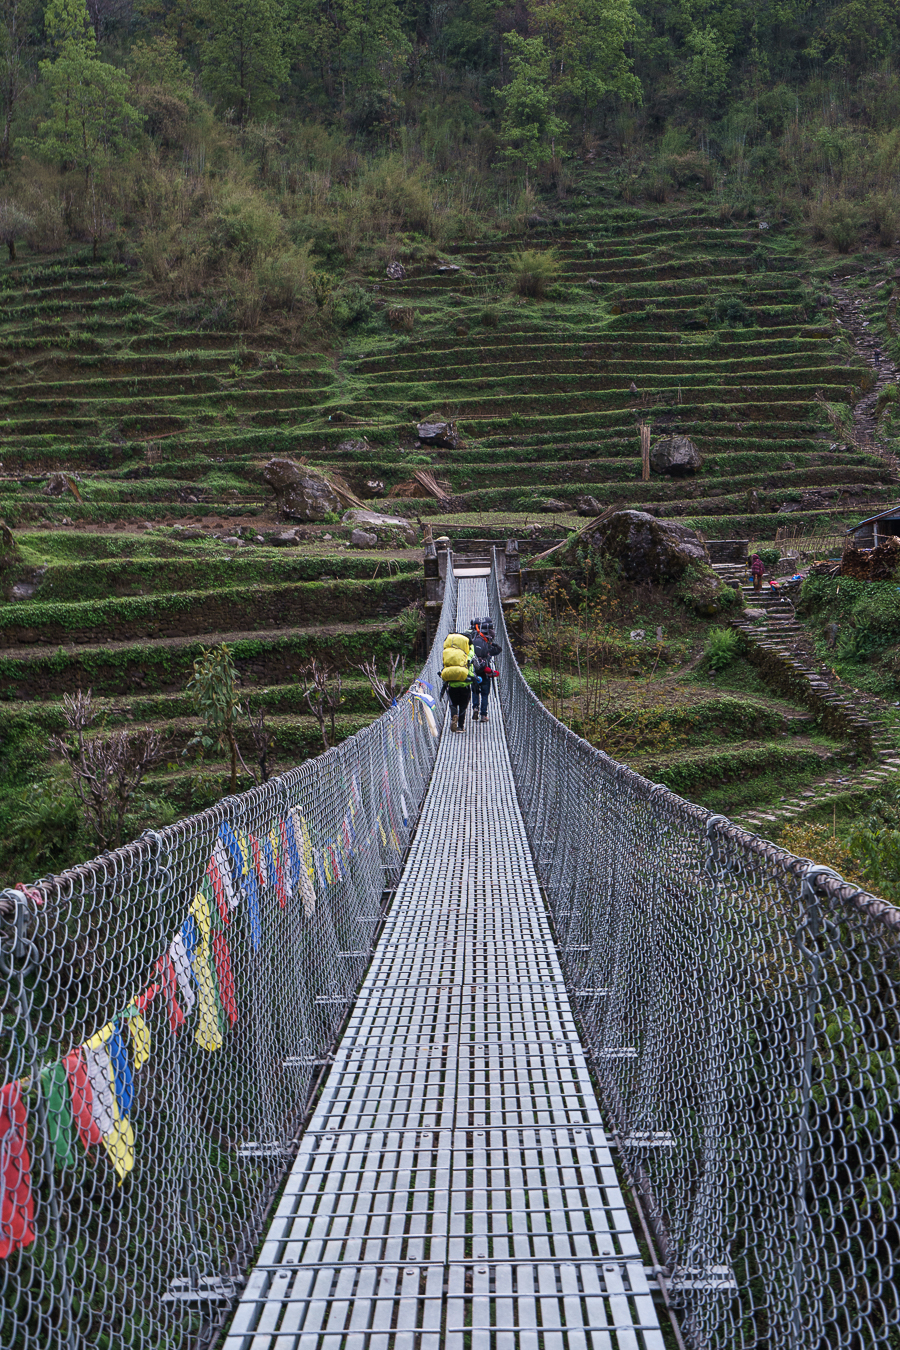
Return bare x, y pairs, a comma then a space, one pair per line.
588, 506
676, 455
648, 549
384, 527
299, 493
438, 433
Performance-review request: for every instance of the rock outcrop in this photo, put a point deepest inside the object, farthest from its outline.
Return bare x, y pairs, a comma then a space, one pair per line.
382, 527
677, 455
648, 549
299, 493
439, 433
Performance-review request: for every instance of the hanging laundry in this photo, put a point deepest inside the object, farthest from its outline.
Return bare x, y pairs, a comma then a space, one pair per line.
166, 968
16, 1200
58, 1113
224, 974
181, 952
209, 1029
82, 1098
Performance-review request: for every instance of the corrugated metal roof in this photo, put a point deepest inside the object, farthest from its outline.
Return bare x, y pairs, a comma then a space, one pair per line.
891, 512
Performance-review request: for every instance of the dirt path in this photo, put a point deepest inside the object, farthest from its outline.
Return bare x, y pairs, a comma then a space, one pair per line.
850, 313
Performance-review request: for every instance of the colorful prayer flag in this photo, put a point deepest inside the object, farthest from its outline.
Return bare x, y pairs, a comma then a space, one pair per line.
16, 1200
58, 1113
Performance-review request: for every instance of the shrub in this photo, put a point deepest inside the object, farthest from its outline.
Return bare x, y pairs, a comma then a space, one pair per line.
351, 305
837, 222
730, 310
817, 843
402, 318
883, 210
14, 223
534, 271
722, 646
770, 556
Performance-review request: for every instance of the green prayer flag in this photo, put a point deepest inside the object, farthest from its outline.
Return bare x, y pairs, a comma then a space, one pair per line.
57, 1104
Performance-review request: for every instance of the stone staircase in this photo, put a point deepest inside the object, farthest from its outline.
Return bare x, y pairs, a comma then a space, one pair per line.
782, 648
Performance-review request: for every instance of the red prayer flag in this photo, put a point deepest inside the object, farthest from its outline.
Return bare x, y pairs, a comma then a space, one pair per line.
224, 975
143, 1001
167, 970
17, 1208
82, 1098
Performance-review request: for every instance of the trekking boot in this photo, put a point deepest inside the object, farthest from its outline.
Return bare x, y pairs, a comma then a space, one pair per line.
454, 722
484, 717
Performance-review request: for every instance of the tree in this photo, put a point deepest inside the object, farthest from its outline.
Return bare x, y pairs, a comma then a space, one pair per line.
244, 58
706, 71
14, 222
587, 41
323, 696
106, 770
16, 18
90, 117
529, 126
213, 688
359, 48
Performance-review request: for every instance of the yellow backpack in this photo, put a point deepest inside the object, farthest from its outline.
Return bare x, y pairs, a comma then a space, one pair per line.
457, 651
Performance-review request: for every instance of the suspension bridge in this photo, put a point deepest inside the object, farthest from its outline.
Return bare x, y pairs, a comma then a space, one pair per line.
361, 1060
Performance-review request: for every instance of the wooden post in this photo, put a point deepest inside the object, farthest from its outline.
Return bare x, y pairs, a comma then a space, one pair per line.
645, 452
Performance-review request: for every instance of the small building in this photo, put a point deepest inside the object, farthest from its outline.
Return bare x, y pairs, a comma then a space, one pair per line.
870, 533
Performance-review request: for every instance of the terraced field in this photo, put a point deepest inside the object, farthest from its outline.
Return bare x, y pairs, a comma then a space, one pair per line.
156, 540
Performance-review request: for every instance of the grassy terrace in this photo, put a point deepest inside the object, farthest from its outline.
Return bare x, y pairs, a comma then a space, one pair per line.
696, 325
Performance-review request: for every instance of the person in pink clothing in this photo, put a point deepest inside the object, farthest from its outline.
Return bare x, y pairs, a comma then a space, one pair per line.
757, 568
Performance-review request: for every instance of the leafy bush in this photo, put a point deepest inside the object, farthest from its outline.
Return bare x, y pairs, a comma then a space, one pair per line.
838, 222
730, 310
770, 556
817, 843
722, 646
534, 271
351, 305
878, 854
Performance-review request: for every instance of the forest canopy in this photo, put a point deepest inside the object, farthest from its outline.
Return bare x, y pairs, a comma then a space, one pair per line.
265, 142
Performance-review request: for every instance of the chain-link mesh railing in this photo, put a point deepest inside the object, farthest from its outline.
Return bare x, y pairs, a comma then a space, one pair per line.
740, 1007
167, 1010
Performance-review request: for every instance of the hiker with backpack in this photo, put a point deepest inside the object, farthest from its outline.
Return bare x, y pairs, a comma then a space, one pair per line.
481, 636
459, 676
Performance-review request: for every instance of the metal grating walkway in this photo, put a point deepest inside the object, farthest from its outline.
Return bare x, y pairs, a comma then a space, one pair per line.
455, 1187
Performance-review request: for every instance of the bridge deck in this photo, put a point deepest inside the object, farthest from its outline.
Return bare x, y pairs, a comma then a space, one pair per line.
455, 1187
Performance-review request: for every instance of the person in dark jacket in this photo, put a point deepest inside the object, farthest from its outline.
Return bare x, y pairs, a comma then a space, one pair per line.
481, 635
